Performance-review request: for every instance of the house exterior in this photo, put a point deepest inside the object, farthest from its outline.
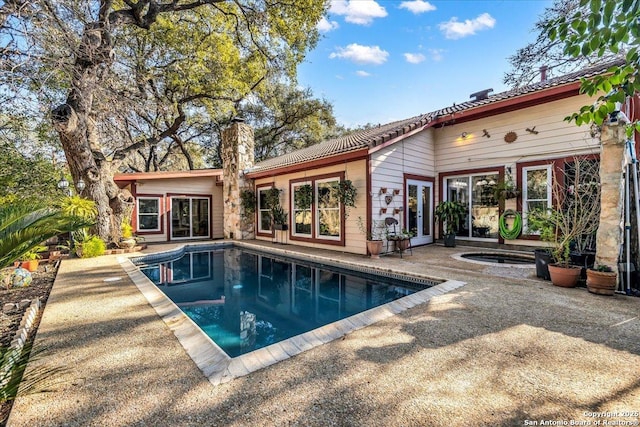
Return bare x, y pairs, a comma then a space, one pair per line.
174, 206
401, 170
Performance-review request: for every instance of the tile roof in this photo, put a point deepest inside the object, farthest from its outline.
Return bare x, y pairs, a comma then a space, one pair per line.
382, 133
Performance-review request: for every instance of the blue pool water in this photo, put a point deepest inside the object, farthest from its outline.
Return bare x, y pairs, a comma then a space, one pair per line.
245, 300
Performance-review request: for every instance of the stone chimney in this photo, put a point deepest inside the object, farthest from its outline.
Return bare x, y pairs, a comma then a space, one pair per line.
237, 155
543, 73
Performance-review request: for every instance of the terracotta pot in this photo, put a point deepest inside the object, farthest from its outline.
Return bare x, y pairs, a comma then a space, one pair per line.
374, 247
403, 244
30, 265
601, 282
566, 277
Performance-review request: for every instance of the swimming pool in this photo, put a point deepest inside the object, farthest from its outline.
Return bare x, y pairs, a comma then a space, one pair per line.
217, 366
245, 300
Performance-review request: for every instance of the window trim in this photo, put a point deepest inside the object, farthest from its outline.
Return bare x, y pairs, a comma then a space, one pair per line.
191, 197
259, 231
316, 223
523, 178
160, 199
293, 211
314, 238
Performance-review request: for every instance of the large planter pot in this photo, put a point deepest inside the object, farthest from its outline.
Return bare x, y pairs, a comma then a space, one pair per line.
601, 282
450, 240
565, 277
543, 259
374, 247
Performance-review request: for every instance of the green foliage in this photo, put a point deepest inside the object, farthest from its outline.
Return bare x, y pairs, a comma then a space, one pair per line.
279, 215
450, 213
24, 176
378, 229
25, 225
347, 193
249, 201
304, 196
127, 230
272, 197
609, 25
92, 247
39, 379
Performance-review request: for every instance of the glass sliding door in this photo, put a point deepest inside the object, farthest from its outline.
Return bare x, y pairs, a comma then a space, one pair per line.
476, 193
189, 217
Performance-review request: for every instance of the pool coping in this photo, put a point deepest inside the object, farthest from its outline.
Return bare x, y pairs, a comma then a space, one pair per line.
218, 367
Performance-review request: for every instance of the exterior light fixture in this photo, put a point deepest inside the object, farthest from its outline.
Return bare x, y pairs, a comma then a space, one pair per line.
464, 135
63, 184
80, 185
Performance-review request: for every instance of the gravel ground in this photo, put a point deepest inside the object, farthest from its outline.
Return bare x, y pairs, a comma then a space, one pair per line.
500, 351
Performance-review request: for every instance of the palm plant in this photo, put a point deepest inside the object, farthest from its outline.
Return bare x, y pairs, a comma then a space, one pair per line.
25, 225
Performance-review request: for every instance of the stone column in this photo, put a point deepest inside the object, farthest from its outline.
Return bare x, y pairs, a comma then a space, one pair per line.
609, 236
237, 155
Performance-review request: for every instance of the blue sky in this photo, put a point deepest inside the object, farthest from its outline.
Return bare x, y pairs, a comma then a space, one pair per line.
380, 61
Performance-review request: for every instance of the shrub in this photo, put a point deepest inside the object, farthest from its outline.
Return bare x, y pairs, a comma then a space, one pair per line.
93, 247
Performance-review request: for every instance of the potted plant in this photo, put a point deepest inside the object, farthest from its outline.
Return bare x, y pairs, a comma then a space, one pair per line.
374, 237
450, 213
575, 214
506, 189
280, 218
304, 196
31, 259
401, 240
601, 280
347, 193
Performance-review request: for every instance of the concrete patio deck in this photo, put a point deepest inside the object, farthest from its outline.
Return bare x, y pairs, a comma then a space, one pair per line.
505, 349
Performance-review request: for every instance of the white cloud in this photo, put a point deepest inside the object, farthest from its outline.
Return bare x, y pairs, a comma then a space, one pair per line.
362, 73
414, 58
417, 6
453, 29
436, 54
361, 12
361, 54
324, 26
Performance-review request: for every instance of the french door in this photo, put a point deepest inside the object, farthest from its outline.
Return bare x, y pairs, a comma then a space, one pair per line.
420, 211
189, 217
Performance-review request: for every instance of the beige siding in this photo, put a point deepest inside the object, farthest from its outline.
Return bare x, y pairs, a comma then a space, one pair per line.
556, 138
200, 186
356, 172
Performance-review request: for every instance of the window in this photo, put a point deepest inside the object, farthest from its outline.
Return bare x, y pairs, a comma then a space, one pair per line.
264, 213
148, 214
536, 195
302, 192
327, 209
316, 210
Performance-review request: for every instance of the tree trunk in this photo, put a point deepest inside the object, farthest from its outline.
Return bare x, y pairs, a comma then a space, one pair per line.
609, 235
75, 123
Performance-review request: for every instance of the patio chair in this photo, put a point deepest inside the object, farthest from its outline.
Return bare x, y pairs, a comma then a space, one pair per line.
393, 234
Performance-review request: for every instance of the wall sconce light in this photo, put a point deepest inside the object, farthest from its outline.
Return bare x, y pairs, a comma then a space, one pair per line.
486, 133
464, 135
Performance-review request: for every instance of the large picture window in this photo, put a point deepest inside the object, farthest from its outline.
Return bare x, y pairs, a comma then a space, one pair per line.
264, 213
148, 214
316, 209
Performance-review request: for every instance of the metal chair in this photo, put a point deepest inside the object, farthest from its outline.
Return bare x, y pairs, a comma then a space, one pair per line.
393, 235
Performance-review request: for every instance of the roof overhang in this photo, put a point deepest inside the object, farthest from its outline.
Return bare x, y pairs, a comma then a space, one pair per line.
511, 104
127, 178
348, 156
